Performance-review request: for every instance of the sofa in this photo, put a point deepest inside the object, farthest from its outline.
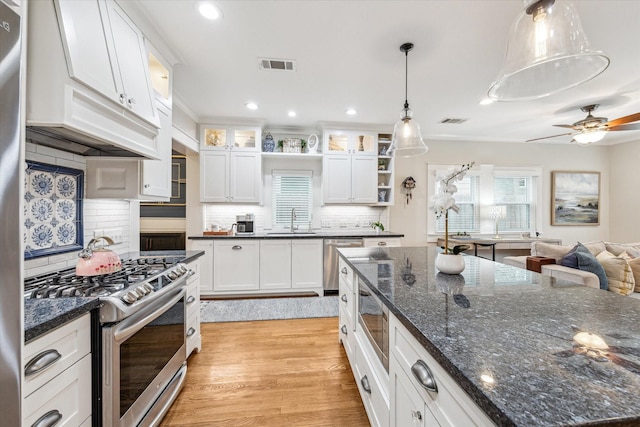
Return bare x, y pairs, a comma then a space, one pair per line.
619, 262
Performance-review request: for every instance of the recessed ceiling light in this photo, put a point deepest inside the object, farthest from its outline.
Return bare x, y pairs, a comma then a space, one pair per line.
486, 101
291, 113
251, 105
208, 10
351, 111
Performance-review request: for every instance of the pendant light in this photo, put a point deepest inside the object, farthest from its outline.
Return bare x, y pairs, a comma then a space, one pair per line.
547, 52
407, 140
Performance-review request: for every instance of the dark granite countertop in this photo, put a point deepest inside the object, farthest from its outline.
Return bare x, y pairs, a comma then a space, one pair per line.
517, 327
42, 315
314, 234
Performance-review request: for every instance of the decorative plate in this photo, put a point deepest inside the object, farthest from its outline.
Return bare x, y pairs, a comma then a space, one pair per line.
52, 210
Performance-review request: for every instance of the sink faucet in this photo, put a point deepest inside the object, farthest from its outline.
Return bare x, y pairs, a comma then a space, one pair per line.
293, 218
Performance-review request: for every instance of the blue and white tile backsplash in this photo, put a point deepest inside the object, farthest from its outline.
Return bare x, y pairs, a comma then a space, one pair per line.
52, 209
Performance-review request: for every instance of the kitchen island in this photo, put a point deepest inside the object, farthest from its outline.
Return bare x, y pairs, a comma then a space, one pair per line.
512, 339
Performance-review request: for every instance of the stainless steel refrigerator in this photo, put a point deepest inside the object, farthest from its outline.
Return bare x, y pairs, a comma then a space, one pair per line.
11, 251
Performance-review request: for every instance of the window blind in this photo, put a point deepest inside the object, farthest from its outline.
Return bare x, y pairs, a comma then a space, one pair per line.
516, 194
467, 198
292, 189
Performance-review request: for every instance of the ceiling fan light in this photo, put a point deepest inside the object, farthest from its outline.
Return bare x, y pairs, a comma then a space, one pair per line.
589, 137
547, 52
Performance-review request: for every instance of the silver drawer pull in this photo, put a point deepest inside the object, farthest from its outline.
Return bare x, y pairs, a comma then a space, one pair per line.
236, 247
49, 419
416, 414
382, 243
344, 270
191, 331
41, 361
344, 297
424, 376
191, 299
343, 329
365, 384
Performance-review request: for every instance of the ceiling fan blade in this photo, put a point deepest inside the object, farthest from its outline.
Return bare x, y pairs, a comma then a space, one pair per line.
623, 120
632, 126
547, 137
566, 126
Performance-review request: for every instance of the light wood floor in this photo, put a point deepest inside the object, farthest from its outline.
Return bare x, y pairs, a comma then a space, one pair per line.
269, 373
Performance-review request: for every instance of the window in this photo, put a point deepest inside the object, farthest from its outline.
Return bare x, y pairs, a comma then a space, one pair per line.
482, 189
291, 190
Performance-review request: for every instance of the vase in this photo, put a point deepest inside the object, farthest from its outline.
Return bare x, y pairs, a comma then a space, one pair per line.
449, 263
268, 144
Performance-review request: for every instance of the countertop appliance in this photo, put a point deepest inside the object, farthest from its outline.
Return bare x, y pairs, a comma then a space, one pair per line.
331, 274
244, 224
143, 322
11, 246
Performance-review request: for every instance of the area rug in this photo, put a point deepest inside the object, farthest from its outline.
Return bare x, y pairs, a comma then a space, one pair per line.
239, 310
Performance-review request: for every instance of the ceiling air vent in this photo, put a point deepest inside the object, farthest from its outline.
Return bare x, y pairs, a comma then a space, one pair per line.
453, 121
277, 64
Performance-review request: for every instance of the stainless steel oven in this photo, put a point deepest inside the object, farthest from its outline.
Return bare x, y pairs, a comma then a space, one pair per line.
143, 366
373, 316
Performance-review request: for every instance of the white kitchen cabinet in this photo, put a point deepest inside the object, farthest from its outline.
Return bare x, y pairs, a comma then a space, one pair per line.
236, 265
349, 179
306, 264
347, 310
205, 266
57, 375
294, 264
448, 404
385, 171
275, 264
382, 242
230, 176
350, 142
372, 385
192, 308
134, 179
87, 76
230, 138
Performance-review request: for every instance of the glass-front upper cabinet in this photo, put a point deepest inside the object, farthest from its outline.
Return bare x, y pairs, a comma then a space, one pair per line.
230, 138
350, 142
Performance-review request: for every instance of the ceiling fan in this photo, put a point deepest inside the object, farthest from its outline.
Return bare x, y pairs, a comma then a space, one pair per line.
593, 129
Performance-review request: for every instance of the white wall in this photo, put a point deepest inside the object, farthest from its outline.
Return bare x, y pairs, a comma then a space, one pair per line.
98, 214
624, 189
411, 219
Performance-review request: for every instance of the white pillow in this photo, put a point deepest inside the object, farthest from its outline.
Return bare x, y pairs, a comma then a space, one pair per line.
634, 263
550, 250
618, 273
632, 249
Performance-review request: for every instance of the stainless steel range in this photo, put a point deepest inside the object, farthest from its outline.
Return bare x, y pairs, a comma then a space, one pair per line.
142, 320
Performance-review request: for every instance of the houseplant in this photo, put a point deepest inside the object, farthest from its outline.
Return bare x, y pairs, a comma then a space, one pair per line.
449, 261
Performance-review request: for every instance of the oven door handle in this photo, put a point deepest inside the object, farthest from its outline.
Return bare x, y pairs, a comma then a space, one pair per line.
133, 324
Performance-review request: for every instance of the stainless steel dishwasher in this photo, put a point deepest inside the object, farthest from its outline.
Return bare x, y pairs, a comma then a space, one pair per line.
331, 274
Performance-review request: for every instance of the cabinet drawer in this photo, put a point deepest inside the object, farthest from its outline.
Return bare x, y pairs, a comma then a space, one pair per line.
193, 332
346, 273
382, 242
451, 405
347, 336
63, 347
69, 394
195, 267
375, 401
192, 298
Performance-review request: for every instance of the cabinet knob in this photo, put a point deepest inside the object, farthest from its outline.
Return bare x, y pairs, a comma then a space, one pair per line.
41, 361
49, 419
122, 98
424, 376
344, 297
382, 243
147, 185
365, 384
130, 102
191, 299
416, 415
191, 331
343, 329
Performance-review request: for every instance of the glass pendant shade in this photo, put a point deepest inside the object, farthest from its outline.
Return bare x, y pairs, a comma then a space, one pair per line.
547, 52
407, 140
588, 137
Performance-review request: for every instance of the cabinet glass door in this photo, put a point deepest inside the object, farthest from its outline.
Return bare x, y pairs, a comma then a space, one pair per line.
215, 137
365, 144
337, 142
244, 139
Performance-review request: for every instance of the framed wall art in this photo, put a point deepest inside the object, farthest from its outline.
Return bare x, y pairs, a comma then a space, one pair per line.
52, 210
575, 198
